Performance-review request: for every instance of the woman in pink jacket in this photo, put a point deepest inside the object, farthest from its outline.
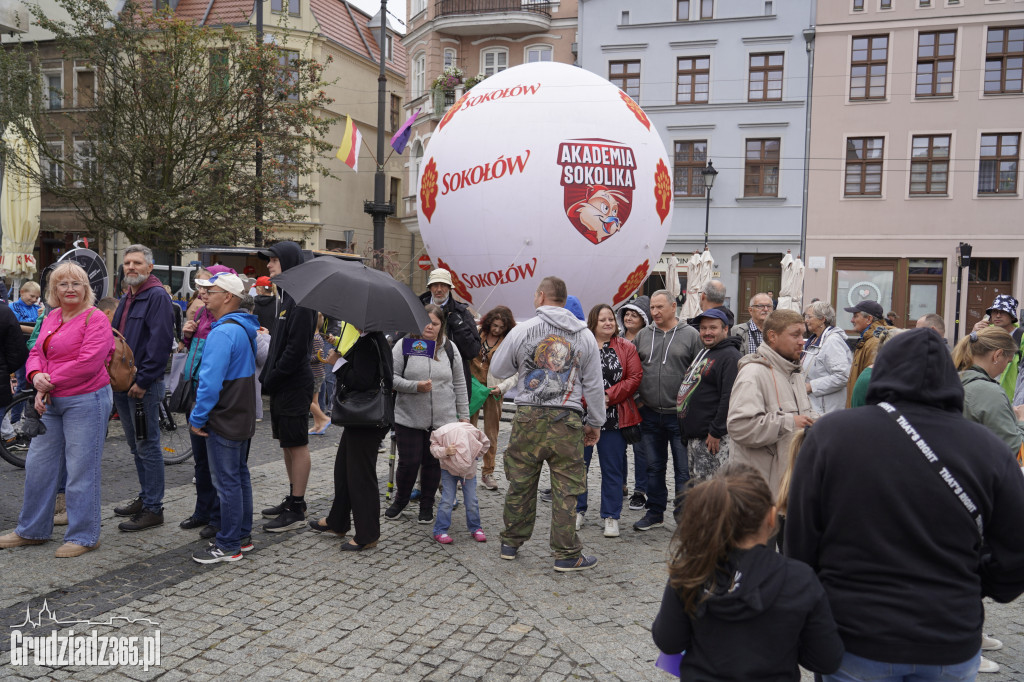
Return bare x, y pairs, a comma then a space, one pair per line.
67, 367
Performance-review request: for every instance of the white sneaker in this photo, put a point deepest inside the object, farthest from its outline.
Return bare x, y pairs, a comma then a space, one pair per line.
579, 521
988, 666
611, 528
990, 643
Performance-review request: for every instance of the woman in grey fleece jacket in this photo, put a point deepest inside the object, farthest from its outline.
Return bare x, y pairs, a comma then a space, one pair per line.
429, 393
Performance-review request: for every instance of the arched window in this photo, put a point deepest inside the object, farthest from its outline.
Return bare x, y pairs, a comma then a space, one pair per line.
538, 53
449, 56
493, 60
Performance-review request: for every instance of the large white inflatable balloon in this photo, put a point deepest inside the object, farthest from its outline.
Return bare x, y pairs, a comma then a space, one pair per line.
545, 169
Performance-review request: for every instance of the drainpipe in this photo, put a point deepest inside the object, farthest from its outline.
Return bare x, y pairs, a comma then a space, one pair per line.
809, 44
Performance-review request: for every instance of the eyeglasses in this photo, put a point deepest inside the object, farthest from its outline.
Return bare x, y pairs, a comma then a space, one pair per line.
218, 291
71, 285
762, 306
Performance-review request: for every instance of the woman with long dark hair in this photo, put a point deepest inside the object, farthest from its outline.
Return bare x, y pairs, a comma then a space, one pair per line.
494, 327
356, 500
738, 609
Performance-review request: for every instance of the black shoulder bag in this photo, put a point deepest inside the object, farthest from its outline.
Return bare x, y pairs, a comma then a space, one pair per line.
363, 409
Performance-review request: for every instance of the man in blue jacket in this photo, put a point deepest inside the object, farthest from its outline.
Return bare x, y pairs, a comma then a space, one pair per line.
145, 318
225, 413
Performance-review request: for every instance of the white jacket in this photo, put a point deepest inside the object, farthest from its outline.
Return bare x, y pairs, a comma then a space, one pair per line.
827, 367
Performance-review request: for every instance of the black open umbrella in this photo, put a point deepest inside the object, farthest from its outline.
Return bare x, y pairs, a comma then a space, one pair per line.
369, 299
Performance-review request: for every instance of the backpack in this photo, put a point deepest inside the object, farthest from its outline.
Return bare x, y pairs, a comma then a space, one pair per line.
121, 368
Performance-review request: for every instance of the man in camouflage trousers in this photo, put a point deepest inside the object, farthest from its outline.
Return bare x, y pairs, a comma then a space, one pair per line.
558, 363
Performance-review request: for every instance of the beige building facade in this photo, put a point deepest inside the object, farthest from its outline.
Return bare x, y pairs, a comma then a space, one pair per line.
916, 125
479, 38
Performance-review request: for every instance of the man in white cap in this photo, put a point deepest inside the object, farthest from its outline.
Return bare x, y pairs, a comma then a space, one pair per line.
461, 325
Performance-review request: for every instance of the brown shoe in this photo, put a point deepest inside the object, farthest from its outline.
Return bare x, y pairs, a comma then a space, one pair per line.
488, 481
14, 540
60, 519
70, 549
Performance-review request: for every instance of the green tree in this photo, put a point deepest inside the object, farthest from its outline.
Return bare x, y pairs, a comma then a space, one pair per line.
166, 154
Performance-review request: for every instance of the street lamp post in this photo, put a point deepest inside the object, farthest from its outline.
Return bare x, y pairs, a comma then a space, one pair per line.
708, 175
963, 260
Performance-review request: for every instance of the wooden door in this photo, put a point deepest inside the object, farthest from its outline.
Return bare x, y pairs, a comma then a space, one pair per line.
988, 278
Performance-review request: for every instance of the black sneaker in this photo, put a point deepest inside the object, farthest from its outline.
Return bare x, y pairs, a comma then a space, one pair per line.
275, 511
508, 551
214, 554
637, 501
394, 511
141, 521
289, 519
580, 563
208, 532
426, 516
247, 545
130, 509
648, 522
192, 522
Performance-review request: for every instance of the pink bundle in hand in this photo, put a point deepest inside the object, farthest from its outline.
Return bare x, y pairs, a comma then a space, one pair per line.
457, 446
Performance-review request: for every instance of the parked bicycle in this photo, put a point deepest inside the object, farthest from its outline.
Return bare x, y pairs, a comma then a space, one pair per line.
174, 439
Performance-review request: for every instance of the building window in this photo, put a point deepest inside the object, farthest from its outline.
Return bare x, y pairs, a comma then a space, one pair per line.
858, 5
936, 55
1000, 154
419, 75
219, 75
868, 66
538, 53
53, 84
691, 159
924, 3
707, 9
1004, 60
626, 77
418, 6
765, 77
449, 57
288, 63
693, 75
278, 6
493, 60
864, 166
85, 160
683, 10
85, 87
885, 4
624, 18
761, 175
396, 112
417, 162
395, 193
289, 176
389, 47
53, 165
929, 164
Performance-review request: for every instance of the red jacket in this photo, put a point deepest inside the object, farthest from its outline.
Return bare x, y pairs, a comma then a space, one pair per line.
622, 393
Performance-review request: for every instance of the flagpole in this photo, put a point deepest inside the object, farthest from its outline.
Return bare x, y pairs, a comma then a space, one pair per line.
378, 208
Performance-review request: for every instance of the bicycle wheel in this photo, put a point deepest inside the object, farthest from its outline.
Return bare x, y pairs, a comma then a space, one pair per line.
14, 448
174, 438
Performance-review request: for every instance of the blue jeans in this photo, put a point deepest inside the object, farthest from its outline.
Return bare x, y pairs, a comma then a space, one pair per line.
75, 431
611, 453
639, 468
857, 669
230, 473
206, 493
661, 432
449, 488
326, 395
149, 458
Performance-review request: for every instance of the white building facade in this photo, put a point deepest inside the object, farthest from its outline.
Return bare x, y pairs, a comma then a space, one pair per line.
725, 81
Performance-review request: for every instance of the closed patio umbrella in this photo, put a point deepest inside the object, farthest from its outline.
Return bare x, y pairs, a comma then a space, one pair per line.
19, 207
791, 290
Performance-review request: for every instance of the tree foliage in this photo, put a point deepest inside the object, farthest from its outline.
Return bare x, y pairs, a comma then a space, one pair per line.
166, 155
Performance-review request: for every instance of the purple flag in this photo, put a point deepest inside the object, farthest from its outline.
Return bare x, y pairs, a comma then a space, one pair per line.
401, 137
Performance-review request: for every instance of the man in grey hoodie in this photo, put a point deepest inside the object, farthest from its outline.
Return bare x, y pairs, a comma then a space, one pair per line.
558, 364
666, 347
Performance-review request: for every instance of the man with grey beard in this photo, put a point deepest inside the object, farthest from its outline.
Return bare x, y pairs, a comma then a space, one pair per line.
145, 318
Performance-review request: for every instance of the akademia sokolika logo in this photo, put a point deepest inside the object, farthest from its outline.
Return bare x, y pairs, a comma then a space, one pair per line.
77, 643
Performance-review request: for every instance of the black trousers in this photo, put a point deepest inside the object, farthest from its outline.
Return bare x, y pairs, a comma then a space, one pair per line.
356, 497
414, 458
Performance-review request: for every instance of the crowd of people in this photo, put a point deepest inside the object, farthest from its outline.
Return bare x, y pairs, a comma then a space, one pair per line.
766, 449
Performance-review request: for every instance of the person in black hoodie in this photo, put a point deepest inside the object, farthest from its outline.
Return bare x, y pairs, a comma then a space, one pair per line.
703, 400
288, 379
901, 558
740, 611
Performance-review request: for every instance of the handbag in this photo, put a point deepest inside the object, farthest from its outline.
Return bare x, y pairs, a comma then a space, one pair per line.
365, 408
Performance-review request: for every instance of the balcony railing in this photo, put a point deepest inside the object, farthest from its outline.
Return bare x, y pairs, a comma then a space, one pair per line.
453, 7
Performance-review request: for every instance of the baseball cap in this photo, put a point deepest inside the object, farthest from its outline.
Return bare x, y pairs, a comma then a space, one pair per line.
228, 281
263, 281
869, 307
713, 313
440, 276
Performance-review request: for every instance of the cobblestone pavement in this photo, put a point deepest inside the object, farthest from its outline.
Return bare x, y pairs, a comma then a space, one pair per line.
297, 608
